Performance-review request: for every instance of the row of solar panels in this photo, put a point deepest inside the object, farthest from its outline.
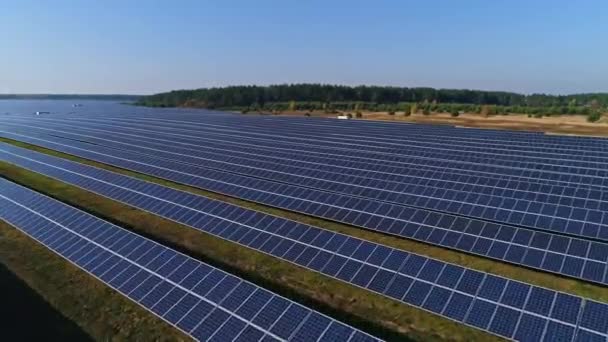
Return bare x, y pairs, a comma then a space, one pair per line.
270, 143
383, 142
333, 162
566, 209
577, 225
386, 143
566, 265
393, 130
504, 307
202, 301
246, 154
548, 252
313, 145
366, 127
380, 168
461, 154
558, 218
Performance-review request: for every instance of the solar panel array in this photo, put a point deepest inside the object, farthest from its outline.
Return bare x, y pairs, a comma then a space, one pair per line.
562, 209
503, 307
297, 139
202, 301
558, 254
525, 198
185, 132
313, 167
569, 209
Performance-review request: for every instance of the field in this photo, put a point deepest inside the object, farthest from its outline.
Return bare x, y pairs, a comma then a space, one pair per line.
374, 313
118, 318
571, 124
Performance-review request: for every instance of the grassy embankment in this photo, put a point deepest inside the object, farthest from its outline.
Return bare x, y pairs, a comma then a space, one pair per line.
90, 309
354, 305
23, 308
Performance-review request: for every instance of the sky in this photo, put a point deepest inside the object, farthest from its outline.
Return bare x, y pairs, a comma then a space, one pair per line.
143, 47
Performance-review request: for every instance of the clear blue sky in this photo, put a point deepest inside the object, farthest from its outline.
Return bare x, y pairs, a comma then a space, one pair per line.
554, 46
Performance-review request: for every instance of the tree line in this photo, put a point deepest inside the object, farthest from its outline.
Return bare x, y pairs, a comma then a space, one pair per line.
260, 96
409, 107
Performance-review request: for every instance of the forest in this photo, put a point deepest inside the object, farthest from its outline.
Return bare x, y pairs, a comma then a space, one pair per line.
238, 96
320, 95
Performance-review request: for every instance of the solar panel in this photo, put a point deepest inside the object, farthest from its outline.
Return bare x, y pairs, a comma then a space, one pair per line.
297, 157
397, 192
446, 151
202, 301
552, 253
308, 149
386, 163
546, 210
481, 300
366, 130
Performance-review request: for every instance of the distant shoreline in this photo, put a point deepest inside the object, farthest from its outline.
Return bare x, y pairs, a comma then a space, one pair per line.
115, 97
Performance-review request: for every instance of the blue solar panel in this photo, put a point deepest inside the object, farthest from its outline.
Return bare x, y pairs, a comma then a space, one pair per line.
508, 297
585, 268
146, 134
568, 221
210, 312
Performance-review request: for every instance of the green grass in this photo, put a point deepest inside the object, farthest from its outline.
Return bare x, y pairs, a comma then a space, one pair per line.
102, 313
373, 313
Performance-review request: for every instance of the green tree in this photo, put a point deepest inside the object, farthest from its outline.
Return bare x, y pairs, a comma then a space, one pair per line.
594, 116
314, 95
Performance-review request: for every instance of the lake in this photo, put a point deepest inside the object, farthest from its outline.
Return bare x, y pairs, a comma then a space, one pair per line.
90, 107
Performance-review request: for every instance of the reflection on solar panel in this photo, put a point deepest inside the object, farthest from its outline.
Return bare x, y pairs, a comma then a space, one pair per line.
204, 302
500, 306
548, 252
